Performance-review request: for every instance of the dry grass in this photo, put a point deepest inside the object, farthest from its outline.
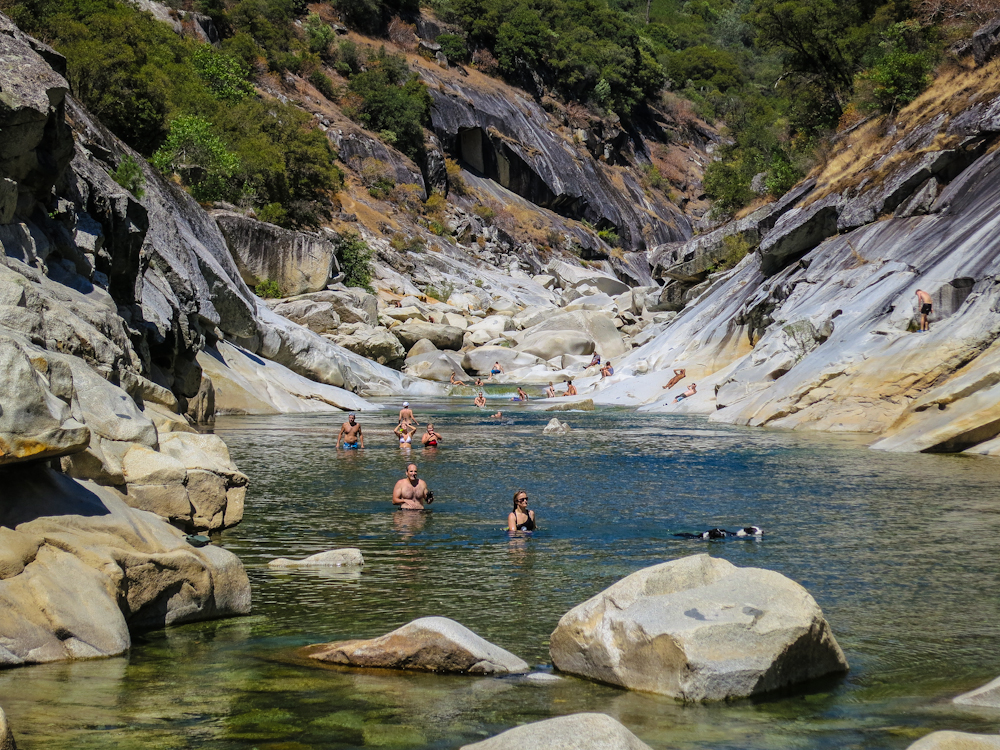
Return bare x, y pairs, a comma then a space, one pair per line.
852, 160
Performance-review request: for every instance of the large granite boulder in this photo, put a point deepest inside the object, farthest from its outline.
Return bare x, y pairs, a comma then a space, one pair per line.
298, 262
349, 304
797, 232
430, 644
437, 366
555, 427
481, 360
574, 732
548, 345
987, 695
598, 325
442, 336
376, 344
698, 629
88, 570
957, 741
574, 277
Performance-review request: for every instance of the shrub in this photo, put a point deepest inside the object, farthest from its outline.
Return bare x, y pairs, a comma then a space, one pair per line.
227, 77
391, 98
319, 35
355, 261
901, 70
610, 236
453, 47
456, 183
486, 213
195, 153
441, 293
272, 213
268, 289
407, 197
651, 177
323, 84
129, 175
435, 205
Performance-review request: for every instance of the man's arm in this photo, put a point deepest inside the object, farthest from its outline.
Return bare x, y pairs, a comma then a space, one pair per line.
397, 493
361, 437
428, 495
340, 435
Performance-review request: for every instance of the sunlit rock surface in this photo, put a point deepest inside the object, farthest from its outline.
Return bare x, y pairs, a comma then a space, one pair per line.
698, 629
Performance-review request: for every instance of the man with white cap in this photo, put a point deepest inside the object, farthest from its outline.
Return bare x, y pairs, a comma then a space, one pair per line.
350, 434
406, 415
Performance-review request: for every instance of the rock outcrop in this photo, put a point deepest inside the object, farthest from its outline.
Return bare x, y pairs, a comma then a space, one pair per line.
511, 139
81, 570
298, 262
698, 629
555, 427
573, 732
430, 644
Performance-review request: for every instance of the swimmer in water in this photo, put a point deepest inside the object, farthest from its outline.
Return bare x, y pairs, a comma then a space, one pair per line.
431, 437
521, 519
405, 431
411, 493
498, 415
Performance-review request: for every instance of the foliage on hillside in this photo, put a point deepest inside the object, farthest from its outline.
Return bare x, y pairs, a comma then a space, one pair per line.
191, 106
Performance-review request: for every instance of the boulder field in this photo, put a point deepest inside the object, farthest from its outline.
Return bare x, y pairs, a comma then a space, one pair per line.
698, 629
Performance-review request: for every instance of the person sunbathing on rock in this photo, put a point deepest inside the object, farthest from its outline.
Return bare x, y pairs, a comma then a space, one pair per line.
570, 388
607, 370
550, 392
456, 381
521, 395
678, 376
691, 390
596, 360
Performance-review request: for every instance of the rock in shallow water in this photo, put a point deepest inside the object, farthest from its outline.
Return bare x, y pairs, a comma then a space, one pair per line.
957, 741
698, 629
555, 427
430, 644
987, 695
573, 732
6, 735
335, 558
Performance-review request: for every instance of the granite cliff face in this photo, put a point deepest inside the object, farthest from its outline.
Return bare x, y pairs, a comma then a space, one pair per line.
818, 327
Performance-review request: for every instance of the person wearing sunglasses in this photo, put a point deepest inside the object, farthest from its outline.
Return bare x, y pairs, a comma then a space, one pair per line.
521, 519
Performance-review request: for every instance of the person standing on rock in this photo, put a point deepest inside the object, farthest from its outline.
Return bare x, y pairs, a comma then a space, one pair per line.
926, 307
350, 434
410, 492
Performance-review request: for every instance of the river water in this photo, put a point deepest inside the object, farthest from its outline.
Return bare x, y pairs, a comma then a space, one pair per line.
900, 551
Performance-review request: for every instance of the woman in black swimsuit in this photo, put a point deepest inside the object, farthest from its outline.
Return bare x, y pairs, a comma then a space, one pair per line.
521, 519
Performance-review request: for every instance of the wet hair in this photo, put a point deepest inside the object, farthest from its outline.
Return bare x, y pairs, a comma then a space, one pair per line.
519, 492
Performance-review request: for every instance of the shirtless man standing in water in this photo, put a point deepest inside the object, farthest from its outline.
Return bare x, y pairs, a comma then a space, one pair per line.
350, 434
411, 493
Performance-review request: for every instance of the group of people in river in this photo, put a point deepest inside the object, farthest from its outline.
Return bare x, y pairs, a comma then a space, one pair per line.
412, 494
351, 436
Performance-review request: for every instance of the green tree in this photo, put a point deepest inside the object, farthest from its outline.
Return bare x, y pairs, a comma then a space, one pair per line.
195, 153
899, 71
226, 76
355, 260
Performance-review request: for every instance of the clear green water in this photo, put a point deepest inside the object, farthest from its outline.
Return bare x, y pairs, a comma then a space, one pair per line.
900, 551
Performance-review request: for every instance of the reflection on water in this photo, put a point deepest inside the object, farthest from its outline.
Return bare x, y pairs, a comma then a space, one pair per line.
899, 550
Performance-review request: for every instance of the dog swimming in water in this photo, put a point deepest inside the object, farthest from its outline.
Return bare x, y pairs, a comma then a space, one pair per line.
747, 532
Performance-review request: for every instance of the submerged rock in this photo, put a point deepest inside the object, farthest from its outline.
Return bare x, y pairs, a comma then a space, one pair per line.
430, 644
987, 695
335, 558
698, 629
584, 731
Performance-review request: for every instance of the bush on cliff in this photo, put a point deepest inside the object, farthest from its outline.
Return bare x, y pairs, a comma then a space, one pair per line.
355, 261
